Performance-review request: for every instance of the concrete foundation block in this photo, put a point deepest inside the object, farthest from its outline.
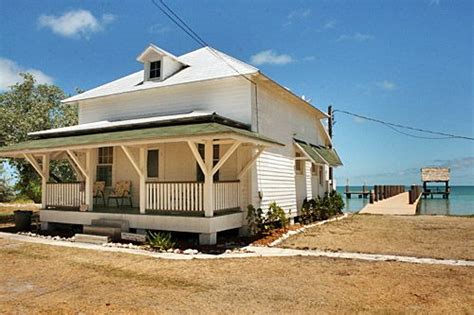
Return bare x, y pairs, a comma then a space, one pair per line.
207, 238
44, 226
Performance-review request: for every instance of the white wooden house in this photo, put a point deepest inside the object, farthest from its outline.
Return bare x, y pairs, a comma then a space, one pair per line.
199, 136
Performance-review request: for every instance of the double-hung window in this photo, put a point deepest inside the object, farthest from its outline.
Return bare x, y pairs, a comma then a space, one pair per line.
155, 69
153, 164
105, 164
298, 164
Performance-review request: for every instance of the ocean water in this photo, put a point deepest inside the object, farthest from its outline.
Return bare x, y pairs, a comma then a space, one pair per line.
460, 202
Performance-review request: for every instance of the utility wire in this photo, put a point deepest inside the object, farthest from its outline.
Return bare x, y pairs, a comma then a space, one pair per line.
396, 128
191, 33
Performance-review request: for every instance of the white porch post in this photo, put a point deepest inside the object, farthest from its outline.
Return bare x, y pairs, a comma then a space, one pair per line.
44, 180
208, 197
89, 185
140, 168
141, 163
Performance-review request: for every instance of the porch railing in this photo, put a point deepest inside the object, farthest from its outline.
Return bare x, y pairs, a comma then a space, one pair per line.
226, 195
188, 196
70, 195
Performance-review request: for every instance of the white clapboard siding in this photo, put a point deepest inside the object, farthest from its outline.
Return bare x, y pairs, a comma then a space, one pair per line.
65, 194
228, 97
309, 188
276, 180
174, 196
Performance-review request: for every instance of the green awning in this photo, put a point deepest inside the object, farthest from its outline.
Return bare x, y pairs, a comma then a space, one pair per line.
314, 157
129, 136
319, 154
330, 155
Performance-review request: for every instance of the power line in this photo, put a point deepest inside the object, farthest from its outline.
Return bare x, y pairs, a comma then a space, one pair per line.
396, 128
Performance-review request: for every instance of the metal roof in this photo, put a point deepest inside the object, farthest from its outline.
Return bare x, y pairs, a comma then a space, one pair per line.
203, 65
134, 136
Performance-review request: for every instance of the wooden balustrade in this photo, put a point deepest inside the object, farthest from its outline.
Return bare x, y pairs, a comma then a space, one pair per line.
188, 196
69, 195
226, 195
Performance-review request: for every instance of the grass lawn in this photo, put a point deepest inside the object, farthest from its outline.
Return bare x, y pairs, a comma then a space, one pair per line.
40, 278
421, 236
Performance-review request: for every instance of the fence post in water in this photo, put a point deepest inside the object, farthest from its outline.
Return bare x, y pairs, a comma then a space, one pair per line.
371, 198
376, 193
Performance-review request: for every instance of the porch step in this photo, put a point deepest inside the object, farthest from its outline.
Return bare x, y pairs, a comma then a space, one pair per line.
112, 232
91, 239
122, 224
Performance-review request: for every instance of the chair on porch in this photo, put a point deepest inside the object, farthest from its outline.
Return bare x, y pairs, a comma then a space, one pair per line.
122, 191
98, 191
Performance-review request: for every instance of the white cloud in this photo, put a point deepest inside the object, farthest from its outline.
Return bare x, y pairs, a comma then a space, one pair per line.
270, 57
10, 74
387, 85
159, 29
309, 58
435, 2
76, 23
356, 37
298, 14
330, 24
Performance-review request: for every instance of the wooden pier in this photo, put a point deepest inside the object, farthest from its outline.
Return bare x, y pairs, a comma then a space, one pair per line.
399, 202
364, 193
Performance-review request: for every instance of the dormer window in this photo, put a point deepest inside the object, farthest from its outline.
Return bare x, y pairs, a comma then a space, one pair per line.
155, 69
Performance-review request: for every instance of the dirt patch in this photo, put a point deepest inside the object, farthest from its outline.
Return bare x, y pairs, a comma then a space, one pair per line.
419, 236
39, 278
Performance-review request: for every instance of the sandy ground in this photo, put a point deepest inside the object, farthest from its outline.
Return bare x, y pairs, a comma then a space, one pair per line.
41, 278
420, 236
8, 209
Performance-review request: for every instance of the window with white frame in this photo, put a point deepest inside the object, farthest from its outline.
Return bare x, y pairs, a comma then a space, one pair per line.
298, 163
155, 69
153, 164
105, 163
321, 171
314, 169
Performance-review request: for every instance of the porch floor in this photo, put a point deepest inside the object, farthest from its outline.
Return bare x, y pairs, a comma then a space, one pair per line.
136, 210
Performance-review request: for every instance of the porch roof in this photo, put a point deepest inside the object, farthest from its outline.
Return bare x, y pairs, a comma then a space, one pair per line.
319, 154
138, 136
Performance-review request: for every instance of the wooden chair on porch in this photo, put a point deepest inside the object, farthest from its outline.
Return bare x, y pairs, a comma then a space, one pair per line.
98, 191
122, 191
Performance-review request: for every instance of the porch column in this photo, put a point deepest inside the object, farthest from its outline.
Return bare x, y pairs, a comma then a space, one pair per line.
141, 162
208, 197
44, 180
89, 185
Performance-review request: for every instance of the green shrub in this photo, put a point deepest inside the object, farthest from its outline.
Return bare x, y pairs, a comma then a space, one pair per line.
319, 209
254, 220
6, 192
161, 241
274, 218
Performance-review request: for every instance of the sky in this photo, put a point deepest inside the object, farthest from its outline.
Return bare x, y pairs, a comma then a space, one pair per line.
406, 62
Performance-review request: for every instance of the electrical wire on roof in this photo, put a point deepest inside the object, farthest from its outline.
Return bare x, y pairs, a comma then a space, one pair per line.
166, 10
397, 127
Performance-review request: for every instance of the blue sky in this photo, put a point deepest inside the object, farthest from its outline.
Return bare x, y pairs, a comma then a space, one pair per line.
408, 62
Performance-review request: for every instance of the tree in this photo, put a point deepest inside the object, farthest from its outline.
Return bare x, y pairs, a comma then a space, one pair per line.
28, 107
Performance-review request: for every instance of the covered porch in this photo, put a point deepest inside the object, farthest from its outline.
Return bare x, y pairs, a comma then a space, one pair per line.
188, 178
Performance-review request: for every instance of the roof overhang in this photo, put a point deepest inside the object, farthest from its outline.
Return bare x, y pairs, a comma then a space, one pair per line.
153, 49
318, 154
319, 114
165, 134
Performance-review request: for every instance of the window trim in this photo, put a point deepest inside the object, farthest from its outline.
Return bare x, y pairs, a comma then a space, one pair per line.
112, 165
158, 166
148, 65
299, 162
